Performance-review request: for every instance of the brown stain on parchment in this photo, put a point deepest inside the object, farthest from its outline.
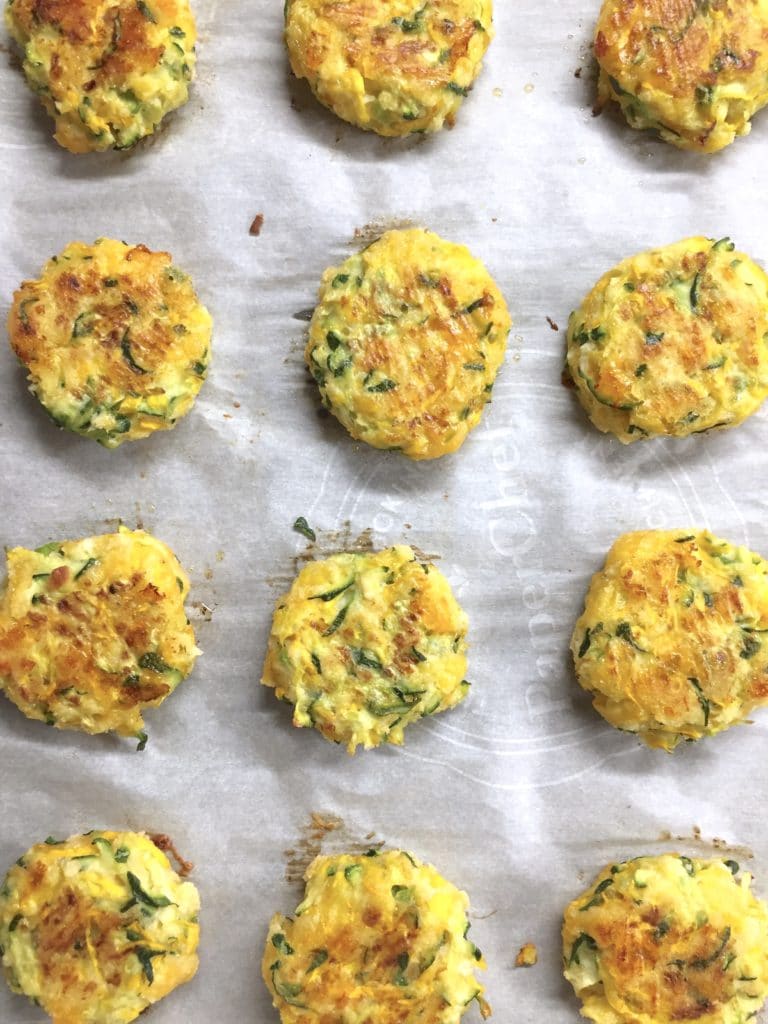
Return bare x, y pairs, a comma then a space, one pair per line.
368, 233
324, 833
715, 847
362, 237
14, 57
715, 843
336, 542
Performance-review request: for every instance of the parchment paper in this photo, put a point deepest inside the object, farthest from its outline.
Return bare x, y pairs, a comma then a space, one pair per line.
520, 795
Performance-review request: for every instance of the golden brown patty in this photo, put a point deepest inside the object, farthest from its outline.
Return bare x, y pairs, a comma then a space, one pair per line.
362, 645
115, 340
693, 70
378, 938
395, 67
406, 341
659, 940
107, 71
672, 341
96, 928
671, 644
93, 631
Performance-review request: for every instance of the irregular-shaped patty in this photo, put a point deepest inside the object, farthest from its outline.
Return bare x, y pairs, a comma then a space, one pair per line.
107, 71
380, 938
695, 71
362, 645
115, 340
671, 642
658, 940
93, 631
96, 928
392, 67
672, 341
406, 341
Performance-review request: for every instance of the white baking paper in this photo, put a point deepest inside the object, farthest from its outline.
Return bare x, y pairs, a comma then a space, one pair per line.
520, 795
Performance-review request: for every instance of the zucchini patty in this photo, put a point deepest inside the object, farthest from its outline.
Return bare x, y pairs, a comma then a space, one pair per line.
379, 938
656, 940
362, 645
93, 631
107, 71
96, 928
406, 341
116, 343
671, 642
695, 71
672, 341
389, 66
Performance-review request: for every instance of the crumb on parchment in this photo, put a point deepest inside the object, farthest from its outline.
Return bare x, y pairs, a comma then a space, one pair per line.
528, 955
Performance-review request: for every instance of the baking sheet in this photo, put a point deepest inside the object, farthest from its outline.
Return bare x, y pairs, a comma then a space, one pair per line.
522, 793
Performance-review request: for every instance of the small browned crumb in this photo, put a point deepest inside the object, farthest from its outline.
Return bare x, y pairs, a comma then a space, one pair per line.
166, 844
528, 956
324, 824
256, 225
577, 73
206, 613
552, 324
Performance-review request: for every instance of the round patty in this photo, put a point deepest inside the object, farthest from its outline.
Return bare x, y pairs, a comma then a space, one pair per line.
671, 642
377, 938
672, 341
93, 631
362, 645
392, 68
658, 940
107, 71
406, 341
695, 71
116, 343
96, 928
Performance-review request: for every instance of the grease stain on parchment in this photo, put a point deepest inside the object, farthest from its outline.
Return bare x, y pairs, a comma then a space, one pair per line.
336, 542
325, 834
715, 843
694, 841
369, 233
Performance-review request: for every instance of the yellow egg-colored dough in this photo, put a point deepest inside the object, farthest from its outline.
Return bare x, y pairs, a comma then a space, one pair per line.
116, 343
93, 631
391, 67
98, 927
364, 644
660, 940
107, 71
406, 341
673, 341
378, 939
695, 71
672, 643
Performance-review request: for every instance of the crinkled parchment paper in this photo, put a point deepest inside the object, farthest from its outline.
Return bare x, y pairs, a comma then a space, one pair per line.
522, 793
